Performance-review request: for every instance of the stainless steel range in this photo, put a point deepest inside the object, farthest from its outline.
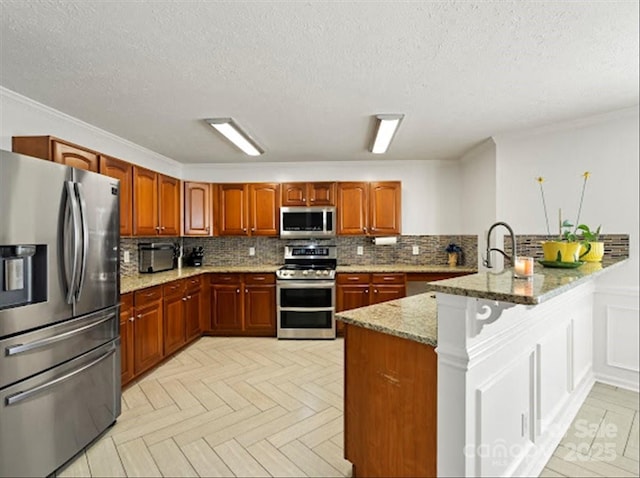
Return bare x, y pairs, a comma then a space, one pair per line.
306, 292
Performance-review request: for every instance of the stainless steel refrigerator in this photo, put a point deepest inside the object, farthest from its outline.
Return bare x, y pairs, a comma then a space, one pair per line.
59, 313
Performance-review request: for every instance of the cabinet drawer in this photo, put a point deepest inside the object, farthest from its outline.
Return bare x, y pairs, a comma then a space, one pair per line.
353, 278
387, 278
193, 282
126, 301
172, 288
251, 279
225, 279
146, 296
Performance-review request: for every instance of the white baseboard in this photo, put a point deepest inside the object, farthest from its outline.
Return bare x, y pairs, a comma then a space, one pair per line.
634, 386
543, 449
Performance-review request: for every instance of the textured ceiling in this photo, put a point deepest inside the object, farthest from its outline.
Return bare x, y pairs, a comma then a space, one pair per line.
304, 78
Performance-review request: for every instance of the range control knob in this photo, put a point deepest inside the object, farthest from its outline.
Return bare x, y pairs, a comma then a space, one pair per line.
326, 273
318, 273
305, 273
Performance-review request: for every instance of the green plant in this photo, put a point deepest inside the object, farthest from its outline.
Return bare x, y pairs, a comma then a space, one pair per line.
587, 234
567, 232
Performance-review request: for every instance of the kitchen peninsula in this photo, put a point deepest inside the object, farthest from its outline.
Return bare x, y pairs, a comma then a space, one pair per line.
507, 361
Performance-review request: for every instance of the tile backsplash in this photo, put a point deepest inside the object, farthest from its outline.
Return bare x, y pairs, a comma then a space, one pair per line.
269, 250
615, 245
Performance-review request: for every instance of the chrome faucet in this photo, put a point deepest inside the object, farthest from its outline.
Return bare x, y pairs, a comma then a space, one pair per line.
487, 261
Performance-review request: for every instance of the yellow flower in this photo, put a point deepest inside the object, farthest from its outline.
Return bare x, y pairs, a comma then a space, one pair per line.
586, 175
540, 179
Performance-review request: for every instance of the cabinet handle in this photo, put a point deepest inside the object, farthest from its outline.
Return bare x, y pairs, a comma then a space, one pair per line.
157, 228
312, 199
373, 228
184, 299
162, 228
139, 316
258, 278
237, 291
366, 291
389, 278
131, 319
353, 278
188, 297
244, 229
364, 229
206, 228
375, 291
246, 291
253, 229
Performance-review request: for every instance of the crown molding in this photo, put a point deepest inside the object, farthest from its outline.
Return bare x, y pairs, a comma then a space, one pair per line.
87, 126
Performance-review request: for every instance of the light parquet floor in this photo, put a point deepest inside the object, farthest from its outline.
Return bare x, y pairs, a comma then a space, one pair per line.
264, 407
230, 407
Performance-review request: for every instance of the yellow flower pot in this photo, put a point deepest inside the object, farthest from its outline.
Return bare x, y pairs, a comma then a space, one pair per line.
595, 253
453, 259
560, 251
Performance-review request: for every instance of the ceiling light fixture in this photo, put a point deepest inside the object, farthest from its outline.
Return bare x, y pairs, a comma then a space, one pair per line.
230, 130
387, 127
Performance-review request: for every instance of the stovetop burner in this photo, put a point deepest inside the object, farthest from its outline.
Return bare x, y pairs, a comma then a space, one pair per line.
311, 261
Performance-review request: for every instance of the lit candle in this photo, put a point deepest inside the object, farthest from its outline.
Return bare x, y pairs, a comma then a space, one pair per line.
523, 267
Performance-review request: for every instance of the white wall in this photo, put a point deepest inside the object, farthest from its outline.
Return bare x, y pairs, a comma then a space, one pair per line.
431, 198
607, 146
478, 183
21, 116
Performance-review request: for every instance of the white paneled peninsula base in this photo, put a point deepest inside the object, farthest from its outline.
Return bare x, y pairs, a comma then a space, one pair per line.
514, 364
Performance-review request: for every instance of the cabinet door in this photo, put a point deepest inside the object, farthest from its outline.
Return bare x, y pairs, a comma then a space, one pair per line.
197, 209
145, 202
321, 194
74, 156
126, 338
383, 293
352, 208
233, 209
174, 330
123, 171
147, 336
260, 310
226, 308
294, 194
351, 297
265, 217
169, 205
385, 209
192, 310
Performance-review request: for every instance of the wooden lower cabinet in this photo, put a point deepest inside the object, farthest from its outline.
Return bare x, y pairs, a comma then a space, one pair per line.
243, 304
174, 330
359, 290
390, 414
126, 338
147, 331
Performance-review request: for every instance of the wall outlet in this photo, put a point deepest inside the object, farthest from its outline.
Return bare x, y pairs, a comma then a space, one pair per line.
127, 257
359, 250
416, 250
252, 251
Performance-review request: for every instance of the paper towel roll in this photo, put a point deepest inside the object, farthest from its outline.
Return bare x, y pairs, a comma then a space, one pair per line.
385, 241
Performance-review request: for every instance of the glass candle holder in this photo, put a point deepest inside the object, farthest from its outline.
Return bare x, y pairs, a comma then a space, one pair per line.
523, 268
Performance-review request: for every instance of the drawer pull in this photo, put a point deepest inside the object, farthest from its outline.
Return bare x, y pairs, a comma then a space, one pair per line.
258, 278
389, 278
353, 278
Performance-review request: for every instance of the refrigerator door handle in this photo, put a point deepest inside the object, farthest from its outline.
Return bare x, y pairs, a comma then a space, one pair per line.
20, 396
84, 226
71, 222
36, 344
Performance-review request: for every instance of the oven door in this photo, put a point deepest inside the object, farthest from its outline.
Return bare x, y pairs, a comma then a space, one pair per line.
306, 309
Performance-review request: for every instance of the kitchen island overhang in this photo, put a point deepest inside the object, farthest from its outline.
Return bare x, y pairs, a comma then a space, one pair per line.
514, 364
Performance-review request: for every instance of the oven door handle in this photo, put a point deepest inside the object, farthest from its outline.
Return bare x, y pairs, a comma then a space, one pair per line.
305, 284
306, 309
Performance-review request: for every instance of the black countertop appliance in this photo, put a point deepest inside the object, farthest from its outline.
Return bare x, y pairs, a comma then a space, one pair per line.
196, 257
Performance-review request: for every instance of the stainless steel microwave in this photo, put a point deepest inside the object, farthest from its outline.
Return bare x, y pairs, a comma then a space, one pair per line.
307, 222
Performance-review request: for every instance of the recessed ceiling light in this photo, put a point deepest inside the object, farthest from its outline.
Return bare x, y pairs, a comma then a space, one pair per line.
387, 127
230, 130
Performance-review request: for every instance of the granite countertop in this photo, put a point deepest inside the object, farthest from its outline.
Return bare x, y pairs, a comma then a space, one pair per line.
546, 283
414, 318
141, 281
399, 268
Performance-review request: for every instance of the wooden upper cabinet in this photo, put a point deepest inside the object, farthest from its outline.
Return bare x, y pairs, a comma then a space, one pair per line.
308, 194
57, 150
123, 171
197, 209
145, 202
385, 208
353, 212
233, 210
369, 208
263, 209
169, 205
156, 203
